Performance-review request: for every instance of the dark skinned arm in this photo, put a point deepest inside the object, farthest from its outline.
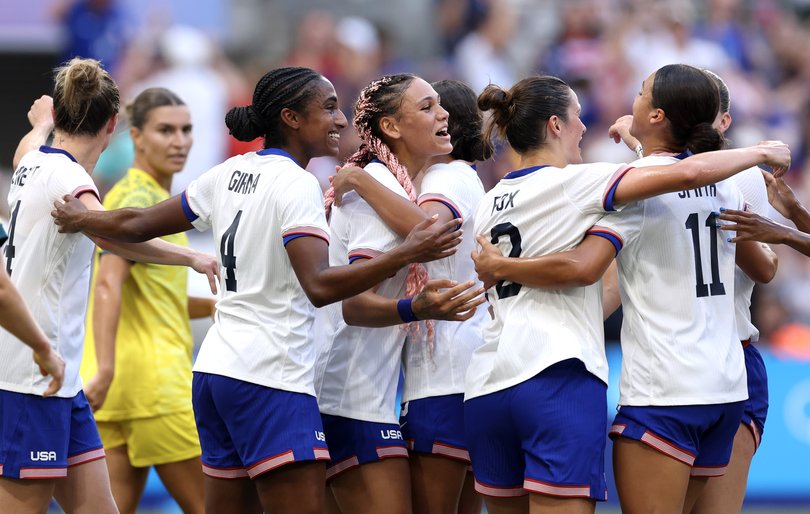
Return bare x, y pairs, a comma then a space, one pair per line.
324, 285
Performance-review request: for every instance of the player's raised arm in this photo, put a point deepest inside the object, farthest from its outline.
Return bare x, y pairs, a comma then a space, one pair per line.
699, 170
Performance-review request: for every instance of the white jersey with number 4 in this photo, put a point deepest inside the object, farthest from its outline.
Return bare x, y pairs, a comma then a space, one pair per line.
256, 204
358, 367
51, 270
676, 275
534, 212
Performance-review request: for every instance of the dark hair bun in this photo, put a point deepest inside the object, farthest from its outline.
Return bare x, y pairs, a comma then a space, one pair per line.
244, 124
704, 138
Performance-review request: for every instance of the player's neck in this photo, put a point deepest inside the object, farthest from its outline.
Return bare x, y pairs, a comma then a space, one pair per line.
544, 156
658, 146
85, 149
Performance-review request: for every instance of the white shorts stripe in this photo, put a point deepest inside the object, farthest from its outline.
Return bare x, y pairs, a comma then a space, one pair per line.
451, 451
536, 486
716, 471
321, 453
86, 457
342, 466
500, 492
1, 470
271, 463
384, 452
43, 473
667, 448
617, 429
229, 474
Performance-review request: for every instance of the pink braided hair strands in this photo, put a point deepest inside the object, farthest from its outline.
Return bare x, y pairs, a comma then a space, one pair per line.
366, 110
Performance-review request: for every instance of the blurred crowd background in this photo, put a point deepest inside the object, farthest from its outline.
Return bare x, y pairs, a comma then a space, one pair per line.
211, 52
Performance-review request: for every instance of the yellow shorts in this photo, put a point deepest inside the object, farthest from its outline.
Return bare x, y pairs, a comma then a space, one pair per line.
153, 441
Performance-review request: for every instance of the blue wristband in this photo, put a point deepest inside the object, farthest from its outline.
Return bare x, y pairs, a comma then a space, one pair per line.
405, 310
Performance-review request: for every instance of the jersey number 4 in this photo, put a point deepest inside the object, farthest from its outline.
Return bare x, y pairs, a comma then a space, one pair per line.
716, 288
227, 255
507, 229
10, 250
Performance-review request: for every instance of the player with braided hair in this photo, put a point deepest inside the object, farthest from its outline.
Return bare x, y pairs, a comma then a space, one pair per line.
432, 418
402, 127
253, 394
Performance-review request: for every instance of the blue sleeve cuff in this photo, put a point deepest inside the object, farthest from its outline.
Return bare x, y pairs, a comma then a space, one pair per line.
190, 216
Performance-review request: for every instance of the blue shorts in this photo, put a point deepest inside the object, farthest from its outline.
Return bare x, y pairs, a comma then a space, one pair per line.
756, 407
353, 442
545, 435
435, 425
700, 436
247, 429
42, 437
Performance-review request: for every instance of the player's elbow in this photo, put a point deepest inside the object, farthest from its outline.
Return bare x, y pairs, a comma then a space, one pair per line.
350, 316
582, 274
691, 178
317, 295
763, 274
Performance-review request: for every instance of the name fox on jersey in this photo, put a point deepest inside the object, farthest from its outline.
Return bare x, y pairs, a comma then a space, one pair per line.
243, 182
18, 179
710, 190
504, 201
43, 456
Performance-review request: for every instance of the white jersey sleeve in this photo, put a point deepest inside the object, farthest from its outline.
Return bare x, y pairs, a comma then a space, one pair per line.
455, 185
591, 193
368, 236
302, 212
198, 198
71, 180
676, 276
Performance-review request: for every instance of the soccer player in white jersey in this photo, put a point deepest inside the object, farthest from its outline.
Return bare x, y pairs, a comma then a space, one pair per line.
402, 126
432, 420
725, 494
545, 346
253, 393
54, 441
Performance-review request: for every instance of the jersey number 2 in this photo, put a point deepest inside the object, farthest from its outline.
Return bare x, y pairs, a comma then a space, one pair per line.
716, 288
507, 229
227, 255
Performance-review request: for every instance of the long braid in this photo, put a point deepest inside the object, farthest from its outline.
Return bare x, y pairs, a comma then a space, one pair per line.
382, 98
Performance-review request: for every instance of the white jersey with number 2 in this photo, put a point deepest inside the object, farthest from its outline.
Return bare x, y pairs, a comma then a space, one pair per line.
533, 212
